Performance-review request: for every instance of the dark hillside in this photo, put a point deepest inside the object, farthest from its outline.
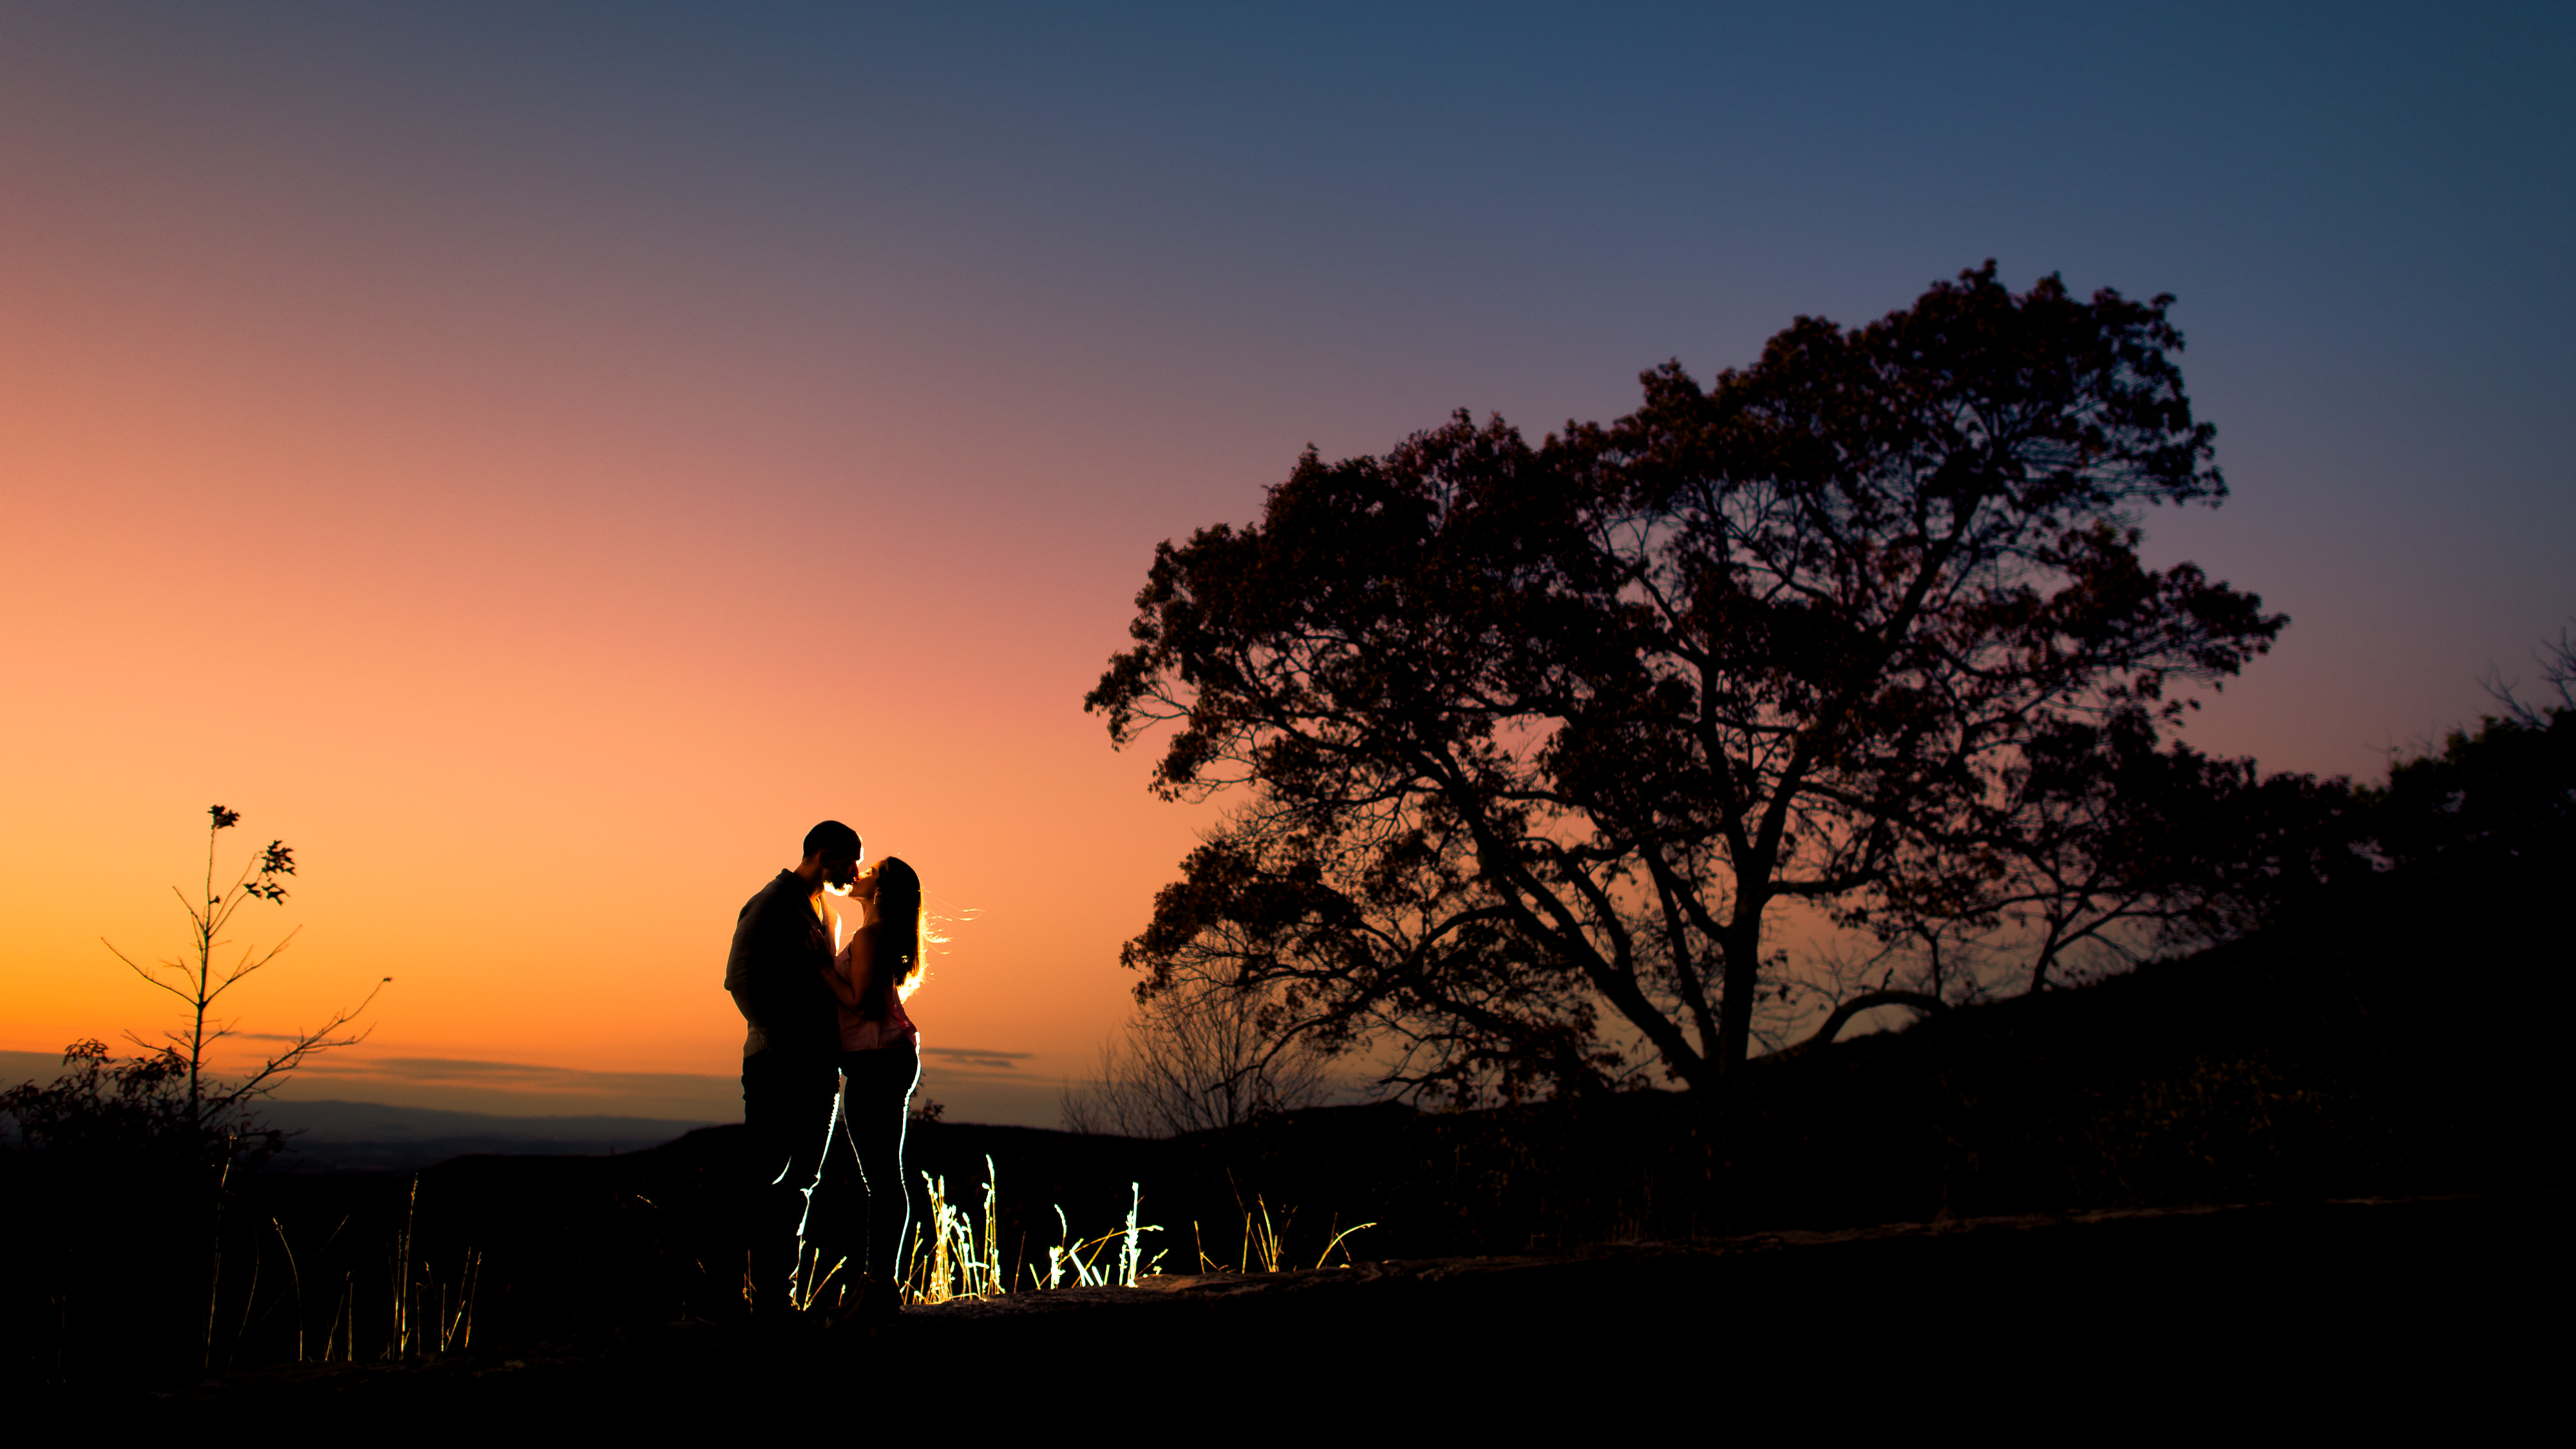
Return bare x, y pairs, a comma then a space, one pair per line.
2380, 1042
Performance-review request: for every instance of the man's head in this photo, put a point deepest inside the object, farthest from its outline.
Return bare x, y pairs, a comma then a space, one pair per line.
832, 855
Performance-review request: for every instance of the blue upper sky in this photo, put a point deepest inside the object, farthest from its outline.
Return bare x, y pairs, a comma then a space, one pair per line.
1193, 238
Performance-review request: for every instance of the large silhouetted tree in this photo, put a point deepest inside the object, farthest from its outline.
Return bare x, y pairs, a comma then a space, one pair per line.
1530, 733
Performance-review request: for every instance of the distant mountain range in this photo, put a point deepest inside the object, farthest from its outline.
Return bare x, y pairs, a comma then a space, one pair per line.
374, 1137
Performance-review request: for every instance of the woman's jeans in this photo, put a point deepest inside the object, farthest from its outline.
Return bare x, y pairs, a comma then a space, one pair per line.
876, 1105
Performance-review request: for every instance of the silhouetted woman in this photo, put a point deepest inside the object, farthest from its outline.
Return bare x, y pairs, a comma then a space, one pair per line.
880, 1061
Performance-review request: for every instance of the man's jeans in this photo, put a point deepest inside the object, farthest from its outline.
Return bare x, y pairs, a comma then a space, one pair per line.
787, 1117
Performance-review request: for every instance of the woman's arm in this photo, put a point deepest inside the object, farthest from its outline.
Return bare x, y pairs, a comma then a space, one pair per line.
849, 986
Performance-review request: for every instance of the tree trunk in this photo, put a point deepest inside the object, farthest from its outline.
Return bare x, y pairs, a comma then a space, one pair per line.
1742, 977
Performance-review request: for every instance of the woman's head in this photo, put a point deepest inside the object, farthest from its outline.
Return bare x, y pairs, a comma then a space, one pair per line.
907, 930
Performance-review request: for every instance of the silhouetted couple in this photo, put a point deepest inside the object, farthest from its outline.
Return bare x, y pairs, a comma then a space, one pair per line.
829, 1065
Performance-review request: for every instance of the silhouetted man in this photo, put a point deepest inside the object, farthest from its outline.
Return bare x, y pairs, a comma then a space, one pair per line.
790, 1082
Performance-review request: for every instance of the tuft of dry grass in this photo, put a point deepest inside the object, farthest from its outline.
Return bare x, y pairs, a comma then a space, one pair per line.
1082, 1259
419, 1327
950, 1258
956, 1252
1265, 1241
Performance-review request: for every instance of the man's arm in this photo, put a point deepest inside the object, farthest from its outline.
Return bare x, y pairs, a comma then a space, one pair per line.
771, 970
747, 978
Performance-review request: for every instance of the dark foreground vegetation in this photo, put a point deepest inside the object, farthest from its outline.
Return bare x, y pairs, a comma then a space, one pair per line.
2309, 1317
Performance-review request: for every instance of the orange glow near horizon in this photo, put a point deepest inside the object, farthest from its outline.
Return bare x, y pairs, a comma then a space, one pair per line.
542, 644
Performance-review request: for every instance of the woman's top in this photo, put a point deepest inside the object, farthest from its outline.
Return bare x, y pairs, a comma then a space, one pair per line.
890, 1027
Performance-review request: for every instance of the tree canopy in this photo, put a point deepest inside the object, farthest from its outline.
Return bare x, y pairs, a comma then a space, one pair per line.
1534, 745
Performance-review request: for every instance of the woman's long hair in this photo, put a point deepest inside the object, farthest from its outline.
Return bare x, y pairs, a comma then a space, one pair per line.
904, 930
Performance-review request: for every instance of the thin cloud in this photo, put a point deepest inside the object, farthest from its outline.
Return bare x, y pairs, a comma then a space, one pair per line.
513, 1076
978, 1057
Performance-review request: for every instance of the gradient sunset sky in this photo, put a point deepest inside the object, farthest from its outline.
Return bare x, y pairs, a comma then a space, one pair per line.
537, 460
